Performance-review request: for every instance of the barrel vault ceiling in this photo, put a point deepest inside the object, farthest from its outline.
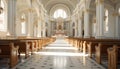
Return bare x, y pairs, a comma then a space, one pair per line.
49, 4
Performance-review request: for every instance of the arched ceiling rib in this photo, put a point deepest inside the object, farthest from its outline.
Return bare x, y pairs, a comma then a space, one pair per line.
49, 4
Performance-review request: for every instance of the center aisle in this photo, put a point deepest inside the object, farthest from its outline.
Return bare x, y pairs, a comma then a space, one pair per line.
59, 55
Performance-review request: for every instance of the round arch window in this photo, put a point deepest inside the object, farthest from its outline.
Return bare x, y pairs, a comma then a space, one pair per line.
60, 13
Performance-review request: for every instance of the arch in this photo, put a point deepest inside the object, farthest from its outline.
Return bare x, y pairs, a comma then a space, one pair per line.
3, 17
23, 23
60, 6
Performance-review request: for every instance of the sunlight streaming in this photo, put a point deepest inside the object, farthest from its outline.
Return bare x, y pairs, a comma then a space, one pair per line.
60, 62
61, 54
66, 48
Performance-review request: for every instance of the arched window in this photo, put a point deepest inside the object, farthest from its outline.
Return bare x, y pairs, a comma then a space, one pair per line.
119, 11
23, 24
106, 20
60, 13
3, 24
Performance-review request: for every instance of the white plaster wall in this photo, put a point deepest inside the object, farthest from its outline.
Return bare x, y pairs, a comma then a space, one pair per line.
111, 26
18, 28
119, 26
2, 34
111, 23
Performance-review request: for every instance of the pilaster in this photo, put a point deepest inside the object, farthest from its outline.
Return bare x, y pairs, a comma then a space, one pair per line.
100, 18
86, 24
12, 17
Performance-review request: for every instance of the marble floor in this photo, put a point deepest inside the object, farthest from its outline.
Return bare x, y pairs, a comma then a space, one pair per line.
58, 55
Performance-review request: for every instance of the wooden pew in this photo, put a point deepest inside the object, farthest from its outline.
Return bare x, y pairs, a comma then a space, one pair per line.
32, 49
91, 48
9, 51
28, 45
92, 43
0, 50
101, 50
24, 47
84, 43
39, 44
113, 57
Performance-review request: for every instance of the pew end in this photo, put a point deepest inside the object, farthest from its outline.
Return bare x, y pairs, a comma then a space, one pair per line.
9, 51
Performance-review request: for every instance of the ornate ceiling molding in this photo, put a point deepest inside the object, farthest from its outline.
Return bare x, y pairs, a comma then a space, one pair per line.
60, 6
49, 4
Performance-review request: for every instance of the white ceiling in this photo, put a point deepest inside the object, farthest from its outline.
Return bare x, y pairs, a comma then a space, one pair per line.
49, 4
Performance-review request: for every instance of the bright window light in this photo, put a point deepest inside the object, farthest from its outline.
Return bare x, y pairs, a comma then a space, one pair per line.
61, 54
60, 13
3, 24
23, 28
106, 20
119, 10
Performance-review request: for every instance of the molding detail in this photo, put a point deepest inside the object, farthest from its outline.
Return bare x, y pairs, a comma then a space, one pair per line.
115, 14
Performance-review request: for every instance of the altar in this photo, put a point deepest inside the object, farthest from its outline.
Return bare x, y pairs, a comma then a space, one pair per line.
60, 32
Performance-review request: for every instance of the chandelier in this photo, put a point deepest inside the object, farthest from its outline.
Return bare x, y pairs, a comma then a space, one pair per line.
1, 8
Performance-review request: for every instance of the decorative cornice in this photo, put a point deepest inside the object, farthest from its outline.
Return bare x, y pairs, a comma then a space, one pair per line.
115, 14
99, 2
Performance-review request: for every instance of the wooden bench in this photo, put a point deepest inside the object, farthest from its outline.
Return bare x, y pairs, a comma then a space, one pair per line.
91, 47
24, 47
0, 50
9, 51
92, 43
101, 50
83, 44
113, 57
32, 44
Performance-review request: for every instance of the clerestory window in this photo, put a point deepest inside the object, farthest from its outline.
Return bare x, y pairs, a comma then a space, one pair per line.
60, 13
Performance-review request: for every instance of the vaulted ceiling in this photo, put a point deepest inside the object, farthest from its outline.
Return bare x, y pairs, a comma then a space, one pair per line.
49, 4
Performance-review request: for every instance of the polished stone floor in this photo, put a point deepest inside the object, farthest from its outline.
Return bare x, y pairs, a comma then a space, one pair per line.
58, 55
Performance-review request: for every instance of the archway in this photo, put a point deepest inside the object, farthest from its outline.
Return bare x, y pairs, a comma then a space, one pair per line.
3, 17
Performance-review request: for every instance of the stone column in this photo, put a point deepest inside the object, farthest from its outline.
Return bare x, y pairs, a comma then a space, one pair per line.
100, 18
39, 28
80, 28
71, 28
43, 30
48, 29
76, 29
80, 25
86, 24
29, 24
52, 28
116, 16
12, 17
68, 29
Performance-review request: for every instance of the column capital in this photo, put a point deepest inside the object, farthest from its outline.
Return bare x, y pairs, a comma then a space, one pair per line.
86, 10
99, 2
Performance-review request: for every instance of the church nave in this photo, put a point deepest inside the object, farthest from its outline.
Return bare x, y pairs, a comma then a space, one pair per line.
59, 55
